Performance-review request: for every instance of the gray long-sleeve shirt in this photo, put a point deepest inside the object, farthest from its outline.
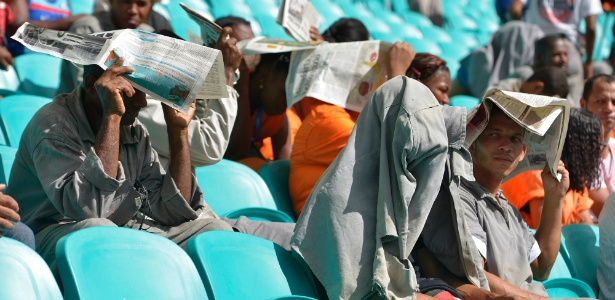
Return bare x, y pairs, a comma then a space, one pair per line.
57, 174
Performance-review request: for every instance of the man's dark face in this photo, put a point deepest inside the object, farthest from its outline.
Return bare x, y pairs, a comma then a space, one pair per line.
242, 32
556, 55
128, 14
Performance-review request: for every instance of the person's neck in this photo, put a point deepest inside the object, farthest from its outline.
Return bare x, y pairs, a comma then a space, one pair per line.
254, 91
489, 182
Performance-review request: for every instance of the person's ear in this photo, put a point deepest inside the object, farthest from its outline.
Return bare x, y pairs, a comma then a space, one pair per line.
583, 103
533, 87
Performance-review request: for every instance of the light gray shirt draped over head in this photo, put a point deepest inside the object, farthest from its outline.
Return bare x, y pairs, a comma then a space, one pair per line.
57, 174
367, 211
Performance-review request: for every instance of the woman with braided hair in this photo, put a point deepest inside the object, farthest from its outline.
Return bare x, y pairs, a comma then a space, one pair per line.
431, 71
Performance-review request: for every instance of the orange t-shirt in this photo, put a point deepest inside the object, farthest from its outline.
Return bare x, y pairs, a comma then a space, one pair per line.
265, 128
324, 131
294, 122
527, 186
613, 133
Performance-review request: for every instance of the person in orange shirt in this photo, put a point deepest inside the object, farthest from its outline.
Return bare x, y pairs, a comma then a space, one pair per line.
581, 156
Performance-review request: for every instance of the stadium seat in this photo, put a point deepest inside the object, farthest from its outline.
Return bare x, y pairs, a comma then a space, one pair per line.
229, 186
465, 101
582, 242
25, 275
424, 46
39, 74
569, 288
15, 113
276, 175
416, 19
271, 28
234, 265
122, 263
454, 50
436, 34
464, 38
7, 157
182, 25
82, 7
9, 82
227, 8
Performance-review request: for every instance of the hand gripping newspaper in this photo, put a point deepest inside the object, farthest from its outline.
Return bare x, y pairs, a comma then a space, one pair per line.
170, 70
296, 16
545, 120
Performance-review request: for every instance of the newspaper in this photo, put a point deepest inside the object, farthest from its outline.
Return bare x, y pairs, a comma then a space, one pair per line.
260, 45
545, 120
296, 16
170, 70
210, 31
343, 74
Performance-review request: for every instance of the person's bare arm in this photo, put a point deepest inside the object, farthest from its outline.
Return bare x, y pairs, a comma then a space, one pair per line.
315, 35
502, 287
179, 166
516, 9
590, 39
8, 211
401, 56
599, 196
550, 228
281, 142
586, 217
110, 86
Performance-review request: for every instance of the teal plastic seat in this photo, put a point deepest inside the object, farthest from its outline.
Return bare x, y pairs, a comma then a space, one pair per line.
231, 189
465, 101
234, 265
454, 50
182, 25
25, 275
16, 112
7, 157
9, 82
416, 19
39, 74
568, 288
231, 8
272, 29
122, 263
82, 7
582, 242
436, 34
425, 46
276, 175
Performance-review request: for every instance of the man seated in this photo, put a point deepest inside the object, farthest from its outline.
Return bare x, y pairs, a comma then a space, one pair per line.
549, 81
511, 256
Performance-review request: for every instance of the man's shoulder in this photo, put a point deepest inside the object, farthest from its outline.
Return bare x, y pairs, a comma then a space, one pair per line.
50, 119
90, 23
470, 190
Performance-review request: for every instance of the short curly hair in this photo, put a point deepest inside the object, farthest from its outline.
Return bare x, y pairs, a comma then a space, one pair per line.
581, 152
424, 65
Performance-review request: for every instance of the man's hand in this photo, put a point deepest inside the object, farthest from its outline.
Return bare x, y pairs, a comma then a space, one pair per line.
400, 58
111, 85
557, 189
8, 210
177, 120
230, 54
315, 35
587, 70
6, 58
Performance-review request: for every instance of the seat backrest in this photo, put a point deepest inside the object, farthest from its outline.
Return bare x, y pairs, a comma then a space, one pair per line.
234, 265
568, 288
9, 81
16, 111
7, 157
39, 74
276, 175
25, 275
123, 263
82, 7
228, 186
582, 242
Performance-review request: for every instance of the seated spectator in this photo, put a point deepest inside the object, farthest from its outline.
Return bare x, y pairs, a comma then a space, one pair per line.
364, 215
431, 71
105, 173
599, 98
552, 50
606, 263
581, 156
550, 81
429, 8
342, 31
9, 221
241, 27
123, 14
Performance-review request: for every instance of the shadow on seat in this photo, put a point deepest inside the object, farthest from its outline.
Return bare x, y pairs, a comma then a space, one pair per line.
16, 111
123, 263
276, 175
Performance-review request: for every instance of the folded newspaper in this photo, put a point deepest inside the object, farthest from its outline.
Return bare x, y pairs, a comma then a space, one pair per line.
210, 31
545, 120
170, 70
297, 16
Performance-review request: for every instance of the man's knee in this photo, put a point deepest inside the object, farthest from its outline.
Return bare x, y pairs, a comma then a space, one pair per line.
212, 224
93, 222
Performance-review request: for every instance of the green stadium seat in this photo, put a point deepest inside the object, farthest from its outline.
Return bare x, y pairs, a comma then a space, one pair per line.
436, 34
16, 112
9, 82
465, 101
276, 176
39, 74
234, 265
568, 288
227, 8
25, 275
416, 19
7, 157
425, 46
123, 263
581, 244
82, 7
454, 50
271, 28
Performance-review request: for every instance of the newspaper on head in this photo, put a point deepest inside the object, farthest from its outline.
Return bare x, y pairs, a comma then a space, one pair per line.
296, 16
170, 70
210, 31
343, 74
545, 120
261, 45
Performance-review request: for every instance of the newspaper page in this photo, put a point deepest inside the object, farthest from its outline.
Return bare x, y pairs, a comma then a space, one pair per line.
545, 120
296, 16
210, 31
170, 70
343, 74
260, 45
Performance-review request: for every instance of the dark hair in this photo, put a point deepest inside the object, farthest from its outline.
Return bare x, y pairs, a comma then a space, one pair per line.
230, 21
424, 65
346, 30
554, 80
92, 70
581, 152
589, 84
276, 62
545, 43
